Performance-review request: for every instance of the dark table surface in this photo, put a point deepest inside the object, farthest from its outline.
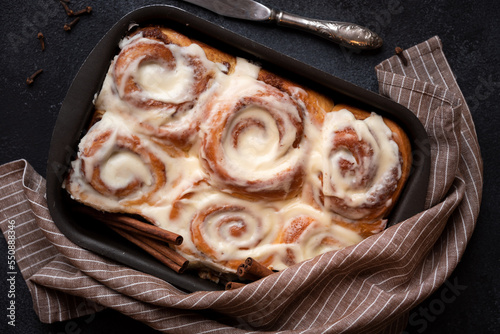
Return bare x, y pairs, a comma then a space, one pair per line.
470, 32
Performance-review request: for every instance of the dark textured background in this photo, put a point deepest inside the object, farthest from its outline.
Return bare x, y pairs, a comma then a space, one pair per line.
470, 33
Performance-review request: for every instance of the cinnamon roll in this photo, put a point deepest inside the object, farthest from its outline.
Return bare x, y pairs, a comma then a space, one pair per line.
363, 164
252, 145
221, 230
116, 170
159, 78
307, 232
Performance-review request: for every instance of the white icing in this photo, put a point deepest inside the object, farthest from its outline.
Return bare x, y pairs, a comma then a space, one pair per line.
128, 40
246, 68
256, 146
160, 83
124, 167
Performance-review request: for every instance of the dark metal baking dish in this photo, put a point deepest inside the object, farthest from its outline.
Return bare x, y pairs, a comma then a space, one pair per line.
77, 110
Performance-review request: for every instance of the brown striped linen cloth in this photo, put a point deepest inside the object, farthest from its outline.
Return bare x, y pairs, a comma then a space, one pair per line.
366, 288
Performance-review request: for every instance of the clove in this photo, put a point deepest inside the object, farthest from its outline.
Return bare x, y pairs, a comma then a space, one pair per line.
69, 12
41, 38
69, 26
86, 10
399, 53
32, 77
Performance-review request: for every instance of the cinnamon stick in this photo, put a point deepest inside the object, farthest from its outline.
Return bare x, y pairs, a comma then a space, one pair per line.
234, 285
165, 250
153, 251
256, 268
244, 275
135, 226
133, 230
170, 237
252, 270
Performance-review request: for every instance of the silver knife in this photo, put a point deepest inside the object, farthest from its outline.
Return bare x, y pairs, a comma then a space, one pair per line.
346, 34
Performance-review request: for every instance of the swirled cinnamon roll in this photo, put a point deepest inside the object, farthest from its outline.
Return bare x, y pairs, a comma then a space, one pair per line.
221, 230
365, 163
159, 78
117, 170
307, 232
252, 144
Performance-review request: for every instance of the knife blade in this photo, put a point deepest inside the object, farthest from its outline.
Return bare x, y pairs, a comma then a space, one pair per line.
344, 33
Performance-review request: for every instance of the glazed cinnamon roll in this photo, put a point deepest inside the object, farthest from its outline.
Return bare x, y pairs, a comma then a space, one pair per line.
159, 78
308, 232
116, 170
222, 230
363, 164
252, 145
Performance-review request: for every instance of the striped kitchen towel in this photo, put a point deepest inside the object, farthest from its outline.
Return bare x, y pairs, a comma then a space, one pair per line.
367, 288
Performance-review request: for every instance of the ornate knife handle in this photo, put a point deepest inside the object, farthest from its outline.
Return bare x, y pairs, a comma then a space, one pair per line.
347, 34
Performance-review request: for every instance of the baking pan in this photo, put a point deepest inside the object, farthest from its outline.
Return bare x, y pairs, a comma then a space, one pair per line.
77, 109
